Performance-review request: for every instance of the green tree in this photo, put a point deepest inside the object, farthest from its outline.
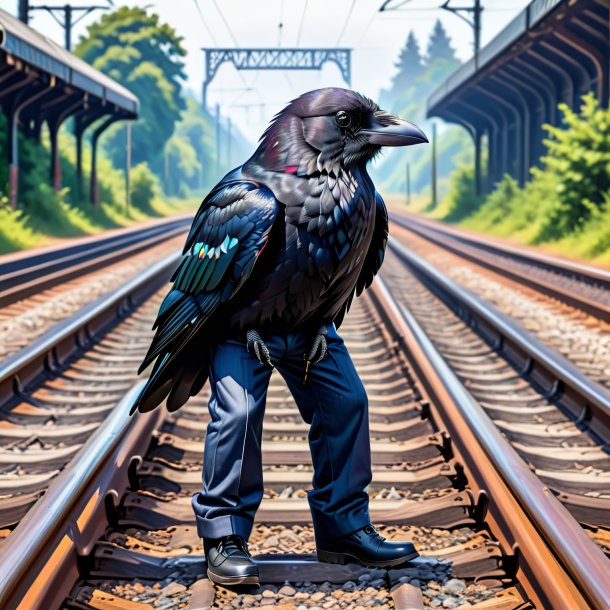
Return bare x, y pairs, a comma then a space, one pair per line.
454, 145
144, 188
197, 128
183, 166
145, 55
439, 45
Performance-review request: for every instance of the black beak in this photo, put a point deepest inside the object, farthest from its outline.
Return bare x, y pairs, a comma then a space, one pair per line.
389, 130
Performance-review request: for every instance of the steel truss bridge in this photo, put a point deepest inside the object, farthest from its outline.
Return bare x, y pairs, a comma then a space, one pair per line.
275, 59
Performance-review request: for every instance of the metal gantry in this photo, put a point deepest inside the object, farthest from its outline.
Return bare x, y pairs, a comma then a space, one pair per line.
274, 59
68, 21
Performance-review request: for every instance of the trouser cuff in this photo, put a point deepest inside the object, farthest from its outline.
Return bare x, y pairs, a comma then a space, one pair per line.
336, 526
224, 525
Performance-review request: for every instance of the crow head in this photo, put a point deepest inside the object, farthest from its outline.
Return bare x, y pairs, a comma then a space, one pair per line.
333, 126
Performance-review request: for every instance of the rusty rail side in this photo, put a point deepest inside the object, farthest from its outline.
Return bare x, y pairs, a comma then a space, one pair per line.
560, 566
39, 560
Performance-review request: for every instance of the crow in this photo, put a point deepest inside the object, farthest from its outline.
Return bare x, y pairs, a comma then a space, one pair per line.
282, 242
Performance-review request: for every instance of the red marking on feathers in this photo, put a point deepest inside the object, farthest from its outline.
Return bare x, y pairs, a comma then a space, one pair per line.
291, 169
264, 239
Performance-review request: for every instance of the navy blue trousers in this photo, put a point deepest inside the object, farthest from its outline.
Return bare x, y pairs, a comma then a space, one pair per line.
333, 401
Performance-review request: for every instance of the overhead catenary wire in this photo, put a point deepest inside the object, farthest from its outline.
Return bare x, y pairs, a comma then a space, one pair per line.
349, 14
205, 25
224, 20
301, 24
368, 27
234, 40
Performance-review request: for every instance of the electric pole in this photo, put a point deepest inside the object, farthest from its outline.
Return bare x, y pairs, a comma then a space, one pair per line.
474, 22
472, 18
67, 22
22, 10
218, 141
229, 136
128, 170
166, 170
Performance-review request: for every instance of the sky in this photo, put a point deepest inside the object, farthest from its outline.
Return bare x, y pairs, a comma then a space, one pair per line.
252, 98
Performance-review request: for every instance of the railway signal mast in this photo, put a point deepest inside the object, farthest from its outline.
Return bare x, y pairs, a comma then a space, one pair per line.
474, 22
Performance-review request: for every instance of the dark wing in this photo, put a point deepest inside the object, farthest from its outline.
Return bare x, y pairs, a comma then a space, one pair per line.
228, 234
373, 259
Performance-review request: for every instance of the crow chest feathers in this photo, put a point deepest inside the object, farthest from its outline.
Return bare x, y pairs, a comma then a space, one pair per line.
284, 241
329, 220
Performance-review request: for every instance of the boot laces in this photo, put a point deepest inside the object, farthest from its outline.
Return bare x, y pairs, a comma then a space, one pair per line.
371, 531
233, 544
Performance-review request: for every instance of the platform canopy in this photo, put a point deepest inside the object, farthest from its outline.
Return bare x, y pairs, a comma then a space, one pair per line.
553, 51
42, 82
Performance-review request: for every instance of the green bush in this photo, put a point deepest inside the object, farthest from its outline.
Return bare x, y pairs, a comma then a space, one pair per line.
14, 231
567, 201
43, 213
145, 188
595, 234
461, 200
579, 155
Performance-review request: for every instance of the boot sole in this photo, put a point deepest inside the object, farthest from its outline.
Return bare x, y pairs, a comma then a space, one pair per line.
232, 580
343, 558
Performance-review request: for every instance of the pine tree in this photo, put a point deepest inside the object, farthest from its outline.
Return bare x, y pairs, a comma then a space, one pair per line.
439, 45
409, 64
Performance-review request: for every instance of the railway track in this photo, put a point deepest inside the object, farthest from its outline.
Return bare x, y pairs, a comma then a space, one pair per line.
56, 392
115, 528
579, 336
24, 274
23, 322
555, 417
581, 286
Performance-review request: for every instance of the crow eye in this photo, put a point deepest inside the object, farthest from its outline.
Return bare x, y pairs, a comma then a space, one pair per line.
343, 119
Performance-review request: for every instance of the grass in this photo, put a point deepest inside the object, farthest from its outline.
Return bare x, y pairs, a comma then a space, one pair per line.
44, 216
590, 243
565, 206
55, 219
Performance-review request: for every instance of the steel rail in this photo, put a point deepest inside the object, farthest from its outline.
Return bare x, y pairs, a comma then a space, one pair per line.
459, 242
585, 400
41, 554
22, 276
562, 567
62, 341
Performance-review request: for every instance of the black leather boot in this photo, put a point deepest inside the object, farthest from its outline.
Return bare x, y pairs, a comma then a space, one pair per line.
366, 547
229, 561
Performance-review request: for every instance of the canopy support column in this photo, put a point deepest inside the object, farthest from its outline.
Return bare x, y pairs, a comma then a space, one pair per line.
13, 141
55, 122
